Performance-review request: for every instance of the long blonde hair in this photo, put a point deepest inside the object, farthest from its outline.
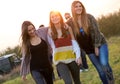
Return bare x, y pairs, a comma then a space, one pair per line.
84, 18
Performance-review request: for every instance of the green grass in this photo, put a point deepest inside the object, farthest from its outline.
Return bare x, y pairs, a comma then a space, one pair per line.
90, 77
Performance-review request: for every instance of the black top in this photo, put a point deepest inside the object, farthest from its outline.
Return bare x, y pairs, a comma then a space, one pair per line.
85, 42
39, 56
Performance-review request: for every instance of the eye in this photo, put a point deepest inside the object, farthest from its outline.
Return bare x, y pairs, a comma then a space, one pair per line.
76, 6
80, 5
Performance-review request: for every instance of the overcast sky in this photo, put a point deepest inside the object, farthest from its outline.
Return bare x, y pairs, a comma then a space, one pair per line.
14, 12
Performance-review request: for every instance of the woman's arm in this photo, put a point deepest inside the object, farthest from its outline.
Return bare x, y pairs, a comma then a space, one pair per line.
95, 33
25, 66
70, 31
75, 45
50, 41
77, 51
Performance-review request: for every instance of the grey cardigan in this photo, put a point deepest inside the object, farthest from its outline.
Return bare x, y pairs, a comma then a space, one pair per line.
25, 64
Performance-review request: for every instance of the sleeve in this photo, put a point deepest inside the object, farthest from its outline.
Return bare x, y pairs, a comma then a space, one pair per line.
24, 69
51, 43
96, 34
76, 49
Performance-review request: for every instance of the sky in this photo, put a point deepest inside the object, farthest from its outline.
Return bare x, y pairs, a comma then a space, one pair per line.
14, 12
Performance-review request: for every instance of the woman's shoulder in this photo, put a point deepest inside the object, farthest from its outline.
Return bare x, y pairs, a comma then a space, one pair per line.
89, 15
42, 29
92, 20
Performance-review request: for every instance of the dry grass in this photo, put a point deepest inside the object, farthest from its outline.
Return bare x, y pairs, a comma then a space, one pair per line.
14, 73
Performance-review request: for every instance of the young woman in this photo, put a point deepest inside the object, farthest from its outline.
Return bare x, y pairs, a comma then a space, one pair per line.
91, 40
64, 45
35, 55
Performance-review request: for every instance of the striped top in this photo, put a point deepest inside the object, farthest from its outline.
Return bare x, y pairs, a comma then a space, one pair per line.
62, 50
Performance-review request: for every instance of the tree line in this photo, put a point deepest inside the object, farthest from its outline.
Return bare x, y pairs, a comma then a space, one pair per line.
110, 24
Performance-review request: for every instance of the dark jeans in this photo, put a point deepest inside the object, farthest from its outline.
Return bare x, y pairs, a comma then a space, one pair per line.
68, 72
84, 60
42, 76
101, 64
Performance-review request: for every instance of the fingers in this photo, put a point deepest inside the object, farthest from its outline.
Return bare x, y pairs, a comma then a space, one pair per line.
78, 61
96, 51
24, 78
67, 27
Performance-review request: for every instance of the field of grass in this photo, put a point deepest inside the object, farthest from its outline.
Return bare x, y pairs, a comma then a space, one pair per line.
90, 77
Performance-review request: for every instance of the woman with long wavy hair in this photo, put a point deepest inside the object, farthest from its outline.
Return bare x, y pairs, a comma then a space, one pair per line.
35, 55
91, 40
66, 52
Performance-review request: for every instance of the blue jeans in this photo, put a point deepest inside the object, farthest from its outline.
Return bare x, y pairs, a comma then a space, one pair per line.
42, 77
101, 64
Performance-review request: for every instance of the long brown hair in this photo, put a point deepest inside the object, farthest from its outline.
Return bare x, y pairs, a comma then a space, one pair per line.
52, 26
25, 37
84, 18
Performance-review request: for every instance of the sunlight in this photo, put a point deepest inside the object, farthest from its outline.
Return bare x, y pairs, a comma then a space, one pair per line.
62, 6
38, 11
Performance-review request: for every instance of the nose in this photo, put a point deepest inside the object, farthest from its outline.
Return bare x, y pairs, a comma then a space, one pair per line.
32, 31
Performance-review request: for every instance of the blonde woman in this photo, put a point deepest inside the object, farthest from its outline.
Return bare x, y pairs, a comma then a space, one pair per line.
91, 40
66, 52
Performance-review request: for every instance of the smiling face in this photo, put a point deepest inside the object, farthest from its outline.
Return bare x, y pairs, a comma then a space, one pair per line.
78, 8
67, 16
31, 30
55, 18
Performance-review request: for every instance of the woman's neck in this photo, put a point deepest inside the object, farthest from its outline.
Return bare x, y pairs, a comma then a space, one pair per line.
33, 37
79, 20
58, 29
35, 40
58, 26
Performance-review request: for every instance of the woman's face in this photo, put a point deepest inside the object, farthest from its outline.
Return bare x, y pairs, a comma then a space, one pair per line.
55, 18
31, 30
78, 8
67, 16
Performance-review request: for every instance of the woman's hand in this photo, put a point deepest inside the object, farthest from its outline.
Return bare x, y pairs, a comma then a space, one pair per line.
96, 51
79, 61
67, 26
24, 78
